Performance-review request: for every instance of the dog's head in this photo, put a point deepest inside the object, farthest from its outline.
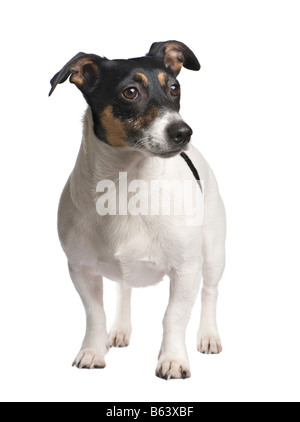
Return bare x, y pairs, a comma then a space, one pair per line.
135, 103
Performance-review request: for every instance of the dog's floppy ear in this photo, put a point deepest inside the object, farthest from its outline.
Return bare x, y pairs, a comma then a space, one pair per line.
84, 71
174, 55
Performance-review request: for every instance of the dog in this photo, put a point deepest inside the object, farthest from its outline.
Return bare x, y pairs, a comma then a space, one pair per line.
132, 127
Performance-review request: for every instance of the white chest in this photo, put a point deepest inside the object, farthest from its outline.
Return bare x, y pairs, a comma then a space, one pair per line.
134, 250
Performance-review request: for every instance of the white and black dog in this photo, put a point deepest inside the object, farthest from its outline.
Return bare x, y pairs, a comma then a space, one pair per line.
133, 134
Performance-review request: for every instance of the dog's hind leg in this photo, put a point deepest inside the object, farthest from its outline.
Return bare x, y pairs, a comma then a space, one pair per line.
96, 342
121, 329
214, 232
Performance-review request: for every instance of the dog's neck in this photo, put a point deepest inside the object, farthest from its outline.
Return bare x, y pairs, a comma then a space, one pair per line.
99, 161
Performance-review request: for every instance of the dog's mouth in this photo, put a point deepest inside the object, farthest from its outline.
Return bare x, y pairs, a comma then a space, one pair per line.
168, 154
161, 154
156, 150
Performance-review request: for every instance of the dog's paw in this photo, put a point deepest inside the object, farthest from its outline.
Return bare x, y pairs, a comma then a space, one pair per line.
89, 359
209, 344
172, 369
119, 337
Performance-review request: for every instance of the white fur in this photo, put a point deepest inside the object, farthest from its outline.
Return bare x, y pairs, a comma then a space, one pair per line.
139, 250
156, 134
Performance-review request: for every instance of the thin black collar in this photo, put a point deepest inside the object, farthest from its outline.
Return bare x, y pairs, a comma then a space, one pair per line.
193, 169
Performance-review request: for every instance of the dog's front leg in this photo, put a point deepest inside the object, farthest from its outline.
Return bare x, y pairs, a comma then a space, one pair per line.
173, 360
121, 329
96, 342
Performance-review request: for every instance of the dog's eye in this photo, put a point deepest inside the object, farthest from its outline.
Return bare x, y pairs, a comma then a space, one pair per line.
131, 93
175, 90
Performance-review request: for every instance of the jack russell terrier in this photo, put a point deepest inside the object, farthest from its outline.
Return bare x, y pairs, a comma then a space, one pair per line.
133, 134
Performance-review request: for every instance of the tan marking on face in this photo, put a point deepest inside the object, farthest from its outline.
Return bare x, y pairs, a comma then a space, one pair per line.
140, 77
114, 128
145, 120
162, 77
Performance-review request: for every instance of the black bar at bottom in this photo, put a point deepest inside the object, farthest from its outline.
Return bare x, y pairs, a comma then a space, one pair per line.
141, 411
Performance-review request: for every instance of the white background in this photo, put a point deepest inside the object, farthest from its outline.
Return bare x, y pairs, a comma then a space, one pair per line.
244, 107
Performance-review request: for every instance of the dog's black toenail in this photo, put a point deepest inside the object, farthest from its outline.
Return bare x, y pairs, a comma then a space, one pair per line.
184, 375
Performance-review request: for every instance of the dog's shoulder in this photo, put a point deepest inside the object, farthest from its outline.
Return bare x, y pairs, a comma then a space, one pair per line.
203, 168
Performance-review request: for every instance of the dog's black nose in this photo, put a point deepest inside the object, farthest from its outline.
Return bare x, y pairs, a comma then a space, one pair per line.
180, 133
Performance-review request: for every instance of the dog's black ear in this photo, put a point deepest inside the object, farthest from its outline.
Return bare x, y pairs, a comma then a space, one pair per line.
174, 55
84, 71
